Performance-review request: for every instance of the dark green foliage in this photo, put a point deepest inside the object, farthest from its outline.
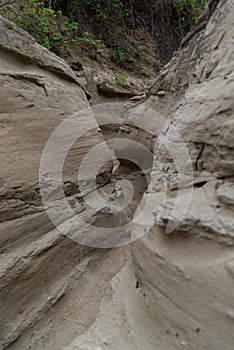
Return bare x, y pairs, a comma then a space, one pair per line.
57, 24
119, 56
48, 25
189, 12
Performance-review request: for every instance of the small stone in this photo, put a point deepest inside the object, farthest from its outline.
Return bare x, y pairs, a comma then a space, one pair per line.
108, 89
161, 93
20, 311
123, 129
137, 98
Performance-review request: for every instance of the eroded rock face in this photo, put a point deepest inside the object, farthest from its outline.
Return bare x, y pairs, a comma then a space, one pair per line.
38, 91
187, 274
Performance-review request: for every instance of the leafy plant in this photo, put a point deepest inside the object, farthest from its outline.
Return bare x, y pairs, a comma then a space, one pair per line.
42, 22
103, 9
118, 56
191, 9
99, 45
49, 27
122, 79
70, 26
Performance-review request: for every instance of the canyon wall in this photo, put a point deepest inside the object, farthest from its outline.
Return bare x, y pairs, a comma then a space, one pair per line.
187, 273
55, 292
38, 91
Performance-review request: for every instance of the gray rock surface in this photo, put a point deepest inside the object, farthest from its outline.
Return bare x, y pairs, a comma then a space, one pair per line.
57, 294
187, 273
38, 91
110, 90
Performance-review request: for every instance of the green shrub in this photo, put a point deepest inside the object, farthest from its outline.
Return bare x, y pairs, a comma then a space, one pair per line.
102, 10
119, 56
48, 26
190, 9
122, 79
42, 22
98, 44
